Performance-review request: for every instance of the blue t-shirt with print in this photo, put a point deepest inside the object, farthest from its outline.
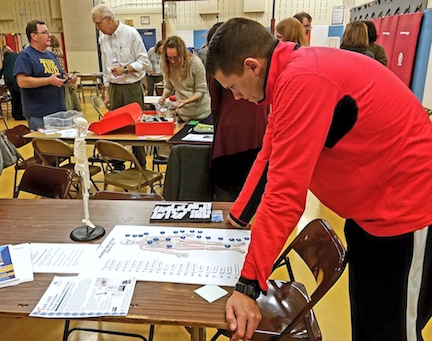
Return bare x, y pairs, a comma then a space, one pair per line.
45, 100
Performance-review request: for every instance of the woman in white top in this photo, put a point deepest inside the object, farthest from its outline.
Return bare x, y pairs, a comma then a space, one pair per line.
154, 72
184, 73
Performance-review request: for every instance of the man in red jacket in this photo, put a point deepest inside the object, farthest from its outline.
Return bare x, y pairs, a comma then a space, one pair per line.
348, 129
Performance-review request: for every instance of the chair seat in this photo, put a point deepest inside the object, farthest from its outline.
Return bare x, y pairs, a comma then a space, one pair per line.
75, 178
28, 162
294, 296
127, 179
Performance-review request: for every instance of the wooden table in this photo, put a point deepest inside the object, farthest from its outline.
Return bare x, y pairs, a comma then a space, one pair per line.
125, 136
52, 220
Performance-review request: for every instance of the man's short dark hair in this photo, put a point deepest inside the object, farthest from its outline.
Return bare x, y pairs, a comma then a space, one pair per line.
32, 28
372, 33
301, 15
233, 42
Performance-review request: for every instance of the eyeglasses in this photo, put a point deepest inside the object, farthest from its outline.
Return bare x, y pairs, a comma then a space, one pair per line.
43, 32
175, 59
309, 27
100, 22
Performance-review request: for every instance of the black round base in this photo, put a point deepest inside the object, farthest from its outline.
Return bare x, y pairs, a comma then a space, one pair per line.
85, 233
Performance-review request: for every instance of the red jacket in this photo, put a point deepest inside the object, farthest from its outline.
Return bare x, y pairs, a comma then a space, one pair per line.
345, 127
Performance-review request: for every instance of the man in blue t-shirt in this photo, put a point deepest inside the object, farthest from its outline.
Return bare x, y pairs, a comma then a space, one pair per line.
40, 76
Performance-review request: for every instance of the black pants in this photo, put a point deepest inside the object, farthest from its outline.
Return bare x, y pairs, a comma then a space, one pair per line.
386, 303
17, 113
229, 174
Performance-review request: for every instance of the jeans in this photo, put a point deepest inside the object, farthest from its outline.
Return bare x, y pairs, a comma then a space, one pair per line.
35, 123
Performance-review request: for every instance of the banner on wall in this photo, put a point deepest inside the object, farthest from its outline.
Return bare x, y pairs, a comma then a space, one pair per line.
387, 33
405, 45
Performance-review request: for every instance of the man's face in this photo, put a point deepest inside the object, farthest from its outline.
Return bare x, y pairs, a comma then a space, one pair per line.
307, 26
42, 37
103, 24
248, 86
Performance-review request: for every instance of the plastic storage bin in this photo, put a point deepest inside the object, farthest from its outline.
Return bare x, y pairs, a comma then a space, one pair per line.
61, 119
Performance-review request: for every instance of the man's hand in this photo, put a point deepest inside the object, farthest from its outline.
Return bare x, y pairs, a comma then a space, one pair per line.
161, 101
242, 316
118, 71
54, 80
72, 79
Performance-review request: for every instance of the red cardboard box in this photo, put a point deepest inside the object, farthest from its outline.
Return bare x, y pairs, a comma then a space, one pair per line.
130, 115
118, 118
154, 128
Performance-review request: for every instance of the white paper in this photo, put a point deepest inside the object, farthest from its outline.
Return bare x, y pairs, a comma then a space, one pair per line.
172, 254
22, 262
79, 297
60, 258
198, 137
211, 293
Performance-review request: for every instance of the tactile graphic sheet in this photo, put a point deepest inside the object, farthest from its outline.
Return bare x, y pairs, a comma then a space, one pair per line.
172, 254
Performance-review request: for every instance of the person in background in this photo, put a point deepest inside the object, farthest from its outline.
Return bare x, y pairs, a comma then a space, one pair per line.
71, 95
185, 73
202, 53
378, 50
40, 76
355, 38
125, 59
58, 52
352, 132
154, 72
9, 58
239, 128
290, 29
305, 20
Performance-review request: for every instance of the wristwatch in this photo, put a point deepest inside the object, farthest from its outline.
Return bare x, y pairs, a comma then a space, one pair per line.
126, 71
250, 289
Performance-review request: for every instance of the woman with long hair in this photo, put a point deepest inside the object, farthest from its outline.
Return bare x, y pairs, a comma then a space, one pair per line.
291, 29
185, 74
355, 38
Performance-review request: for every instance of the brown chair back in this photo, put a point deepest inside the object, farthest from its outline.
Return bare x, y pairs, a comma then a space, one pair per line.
46, 181
324, 254
115, 151
16, 135
56, 148
287, 309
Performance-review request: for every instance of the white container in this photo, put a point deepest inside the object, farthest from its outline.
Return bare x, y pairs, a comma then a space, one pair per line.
61, 119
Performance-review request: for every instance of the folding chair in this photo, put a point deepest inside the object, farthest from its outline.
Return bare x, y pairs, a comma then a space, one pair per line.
130, 179
16, 137
287, 309
89, 82
99, 105
45, 181
61, 152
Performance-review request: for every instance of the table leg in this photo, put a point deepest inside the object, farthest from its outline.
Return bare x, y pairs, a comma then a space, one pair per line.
197, 334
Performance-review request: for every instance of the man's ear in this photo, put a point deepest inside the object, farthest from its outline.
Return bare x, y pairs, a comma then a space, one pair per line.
252, 64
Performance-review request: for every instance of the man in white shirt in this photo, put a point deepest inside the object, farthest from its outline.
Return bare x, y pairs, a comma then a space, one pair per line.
125, 60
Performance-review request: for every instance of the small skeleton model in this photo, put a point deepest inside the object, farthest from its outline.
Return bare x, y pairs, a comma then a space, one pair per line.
81, 165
